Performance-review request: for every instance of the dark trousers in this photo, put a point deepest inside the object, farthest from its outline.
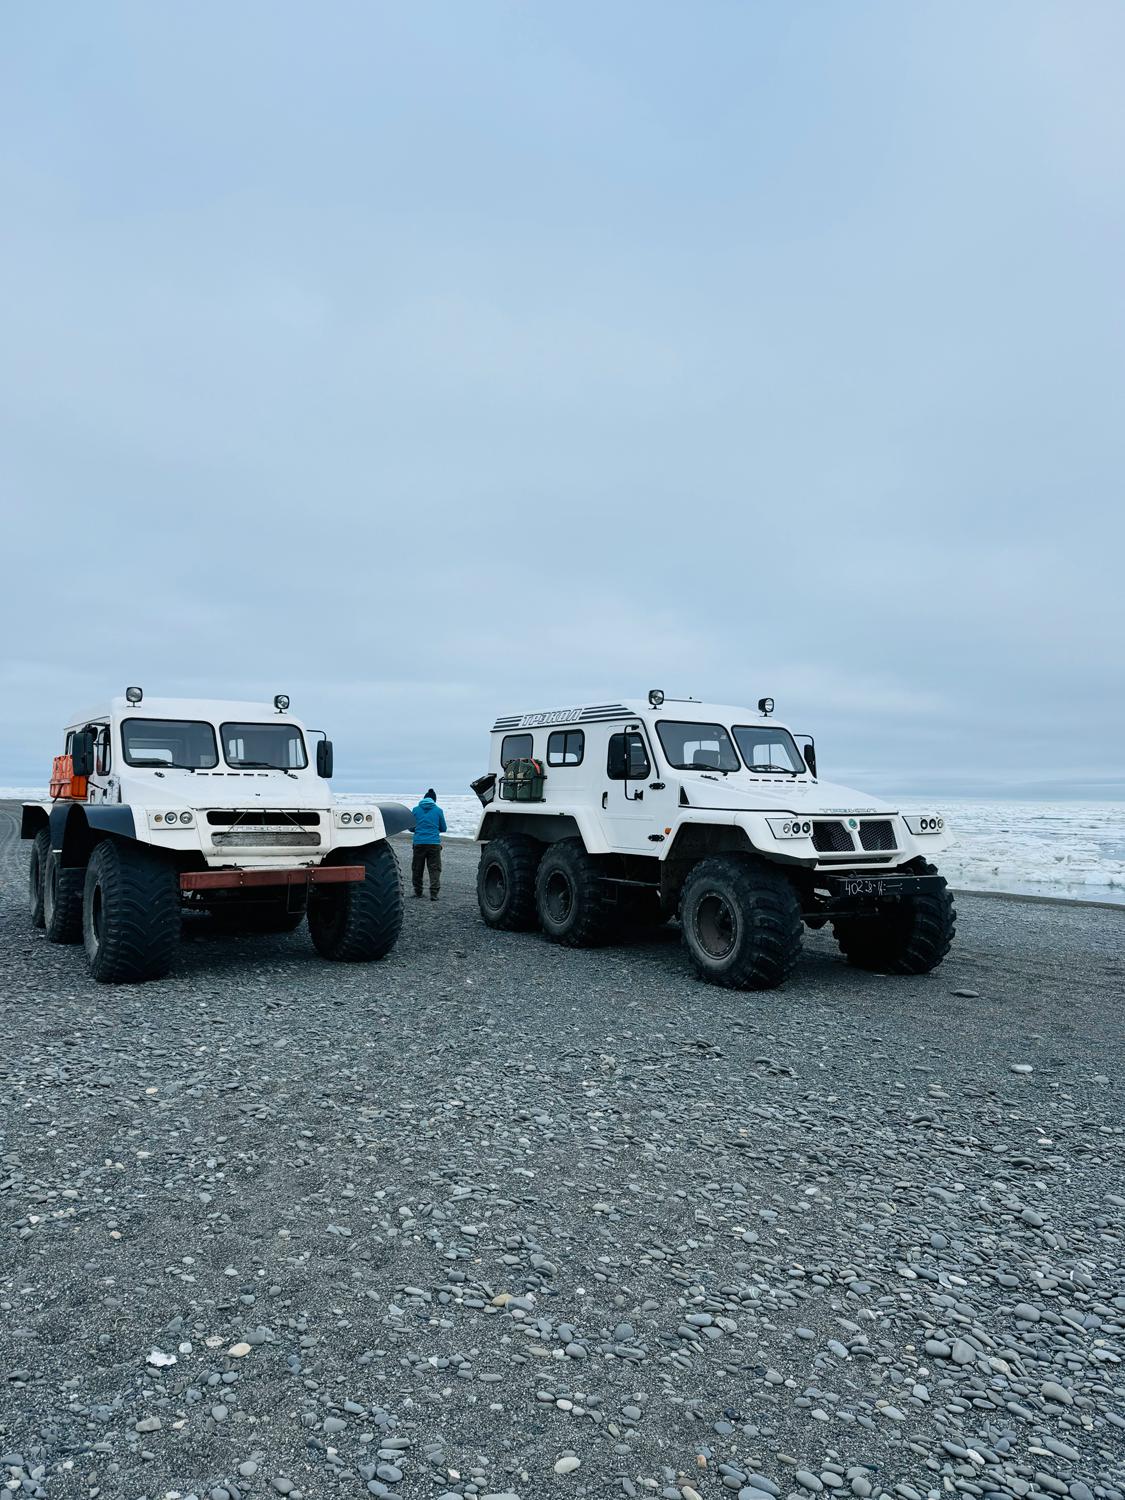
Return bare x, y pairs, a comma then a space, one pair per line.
426, 857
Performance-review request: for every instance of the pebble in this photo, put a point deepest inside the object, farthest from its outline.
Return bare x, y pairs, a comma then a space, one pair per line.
567, 1465
239, 1351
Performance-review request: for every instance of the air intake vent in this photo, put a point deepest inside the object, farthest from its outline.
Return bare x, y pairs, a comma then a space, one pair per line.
832, 838
878, 834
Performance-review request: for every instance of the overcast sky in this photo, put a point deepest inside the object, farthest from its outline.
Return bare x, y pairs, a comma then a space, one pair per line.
432, 362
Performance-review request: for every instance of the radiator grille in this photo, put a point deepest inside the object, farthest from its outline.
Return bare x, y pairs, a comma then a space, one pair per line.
832, 838
225, 817
877, 834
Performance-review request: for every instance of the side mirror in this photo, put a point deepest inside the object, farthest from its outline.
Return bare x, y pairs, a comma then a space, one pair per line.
82, 753
324, 758
810, 757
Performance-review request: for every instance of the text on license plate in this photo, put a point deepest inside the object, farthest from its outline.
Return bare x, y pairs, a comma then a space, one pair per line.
867, 886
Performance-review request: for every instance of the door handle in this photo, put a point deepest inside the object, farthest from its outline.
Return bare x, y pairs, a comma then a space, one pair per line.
605, 799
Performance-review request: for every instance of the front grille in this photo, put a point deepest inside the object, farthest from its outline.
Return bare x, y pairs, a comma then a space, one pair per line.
877, 834
267, 818
248, 838
832, 838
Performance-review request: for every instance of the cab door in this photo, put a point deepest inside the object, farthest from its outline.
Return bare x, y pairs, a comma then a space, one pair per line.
636, 800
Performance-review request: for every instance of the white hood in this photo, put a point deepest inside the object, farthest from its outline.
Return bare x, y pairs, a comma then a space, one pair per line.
196, 789
745, 793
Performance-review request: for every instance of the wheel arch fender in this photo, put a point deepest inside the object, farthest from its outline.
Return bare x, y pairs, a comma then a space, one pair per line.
545, 828
75, 830
397, 818
33, 817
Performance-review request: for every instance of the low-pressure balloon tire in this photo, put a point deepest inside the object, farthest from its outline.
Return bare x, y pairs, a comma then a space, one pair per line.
62, 901
36, 873
131, 914
740, 923
506, 882
360, 920
911, 937
570, 897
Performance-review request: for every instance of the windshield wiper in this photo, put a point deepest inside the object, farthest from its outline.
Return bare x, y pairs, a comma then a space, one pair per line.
160, 765
769, 766
260, 765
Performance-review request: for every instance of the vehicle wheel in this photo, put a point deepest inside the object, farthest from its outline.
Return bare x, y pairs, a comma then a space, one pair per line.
570, 897
359, 921
910, 937
740, 923
62, 901
257, 916
36, 872
506, 882
130, 913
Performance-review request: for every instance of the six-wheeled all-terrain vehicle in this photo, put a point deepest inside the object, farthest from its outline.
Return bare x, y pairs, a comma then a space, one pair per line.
166, 804
612, 813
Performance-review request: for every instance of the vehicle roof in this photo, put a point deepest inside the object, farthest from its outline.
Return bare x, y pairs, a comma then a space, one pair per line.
632, 708
215, 709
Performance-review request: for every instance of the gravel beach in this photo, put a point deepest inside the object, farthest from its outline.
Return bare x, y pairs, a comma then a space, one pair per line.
494, 1218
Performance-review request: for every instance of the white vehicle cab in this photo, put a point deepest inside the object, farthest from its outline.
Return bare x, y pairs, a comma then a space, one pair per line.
162, 804
645, 810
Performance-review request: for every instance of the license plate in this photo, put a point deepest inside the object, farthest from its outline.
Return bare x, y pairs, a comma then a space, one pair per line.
868, 885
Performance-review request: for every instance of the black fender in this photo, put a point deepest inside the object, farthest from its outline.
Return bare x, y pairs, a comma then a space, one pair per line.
76, 828
396, 817
32, 819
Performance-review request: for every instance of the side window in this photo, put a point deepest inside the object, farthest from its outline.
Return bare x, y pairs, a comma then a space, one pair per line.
516, 747
627, 750
566, 747
102, 761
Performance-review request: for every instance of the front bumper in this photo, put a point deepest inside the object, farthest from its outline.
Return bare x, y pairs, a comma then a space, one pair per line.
857, 892
220, 880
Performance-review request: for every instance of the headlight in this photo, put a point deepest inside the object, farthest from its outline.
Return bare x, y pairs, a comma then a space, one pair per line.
353, 819
790, 828
185, 817
171, 819
926, 823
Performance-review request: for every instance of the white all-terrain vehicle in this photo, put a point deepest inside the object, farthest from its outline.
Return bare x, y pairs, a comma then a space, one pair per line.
594, 816
165, 804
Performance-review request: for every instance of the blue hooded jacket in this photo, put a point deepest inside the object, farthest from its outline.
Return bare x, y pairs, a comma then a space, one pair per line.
429, 822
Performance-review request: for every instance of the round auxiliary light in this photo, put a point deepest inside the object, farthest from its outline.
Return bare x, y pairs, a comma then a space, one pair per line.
158, 818
655, 697
185, 817
941, 822
345, 817
807, 828
133, 694
281, 702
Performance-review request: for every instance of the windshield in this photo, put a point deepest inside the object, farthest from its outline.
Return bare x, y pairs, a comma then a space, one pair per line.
187, 743
264, 747
697, 747
768, 748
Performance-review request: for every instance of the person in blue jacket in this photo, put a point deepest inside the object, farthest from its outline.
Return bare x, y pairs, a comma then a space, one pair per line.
429, 825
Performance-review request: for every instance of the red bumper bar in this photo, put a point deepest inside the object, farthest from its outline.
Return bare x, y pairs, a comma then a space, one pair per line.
219, 880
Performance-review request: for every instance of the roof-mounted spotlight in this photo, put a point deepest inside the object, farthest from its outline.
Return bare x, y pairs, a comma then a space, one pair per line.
133, 694
281, 702
765, 706
655, 697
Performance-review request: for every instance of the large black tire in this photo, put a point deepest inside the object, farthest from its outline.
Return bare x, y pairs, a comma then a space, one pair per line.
257, 916
570, 897
910, 937
360, 920
506, 882
131, 913
62, 901
36, 871
740, 923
